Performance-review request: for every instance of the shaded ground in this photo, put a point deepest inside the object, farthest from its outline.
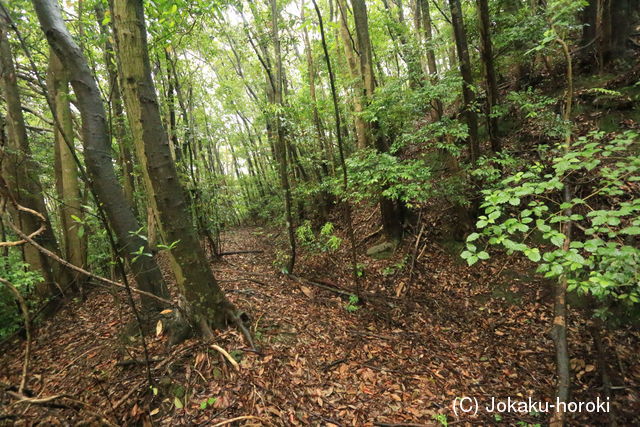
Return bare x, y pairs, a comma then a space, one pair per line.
403, 356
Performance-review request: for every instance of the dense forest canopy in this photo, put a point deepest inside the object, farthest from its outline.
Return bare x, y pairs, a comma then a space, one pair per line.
204, 182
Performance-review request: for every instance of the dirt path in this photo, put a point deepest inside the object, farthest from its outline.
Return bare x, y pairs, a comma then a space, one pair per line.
393, 360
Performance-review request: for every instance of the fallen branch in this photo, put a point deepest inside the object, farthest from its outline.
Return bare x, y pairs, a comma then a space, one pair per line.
45, 401
82, 270
239, 252
333, 289
232, 420
415, 251
129, 362
241, 279
227, 356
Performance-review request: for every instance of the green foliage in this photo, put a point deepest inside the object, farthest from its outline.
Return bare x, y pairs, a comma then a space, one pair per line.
352, 305
531, 106
393, 269
17, 272
441, 419
373, 174
527, 207
490, 169
325, 241
207, 402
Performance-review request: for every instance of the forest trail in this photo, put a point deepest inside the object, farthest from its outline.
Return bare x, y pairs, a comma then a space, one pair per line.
320, 363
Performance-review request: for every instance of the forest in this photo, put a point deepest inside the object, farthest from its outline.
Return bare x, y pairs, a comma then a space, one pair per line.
320, 212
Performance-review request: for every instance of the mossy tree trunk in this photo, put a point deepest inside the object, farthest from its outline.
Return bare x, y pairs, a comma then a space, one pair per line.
97, 152
71, 214
206, 303
20, 175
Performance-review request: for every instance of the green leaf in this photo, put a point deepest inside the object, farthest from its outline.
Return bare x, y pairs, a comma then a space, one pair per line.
178, 403
203, 405
558, 240
472, 237
483, 255
632, 231
533, 254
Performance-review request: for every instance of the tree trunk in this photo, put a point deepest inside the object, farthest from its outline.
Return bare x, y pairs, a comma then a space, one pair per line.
486, 53
423, 6
68, 186
468, 96
391, 219
97, 151
354, 71
21, 176
559, 327
280, 148
336, 114
118, 119
325, 146
207, 305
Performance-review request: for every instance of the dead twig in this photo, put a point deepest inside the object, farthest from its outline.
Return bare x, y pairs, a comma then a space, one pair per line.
47, 400
82, 270
415, 251
323, 286
233, 420
239, 252
226, 355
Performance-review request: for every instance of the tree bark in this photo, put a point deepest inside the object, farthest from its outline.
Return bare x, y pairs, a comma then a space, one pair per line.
354, 71
336, 114
280, 145
118, 119
206, 303
464, 62
325, 146
391, 218
20, 174
486, 53
425, 13
68, 185
559, 328
97, 151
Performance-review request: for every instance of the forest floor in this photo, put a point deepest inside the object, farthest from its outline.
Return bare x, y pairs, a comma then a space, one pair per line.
410, 348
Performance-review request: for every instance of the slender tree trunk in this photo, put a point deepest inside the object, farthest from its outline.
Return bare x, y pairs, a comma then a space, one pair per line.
325, 146
281, 149
423, 6
21, 176
391, 219
206, 302
336, 113
468, 96
118, 119
559, 327
97, 151
354, 71
410, 55
68, 186
486, 52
